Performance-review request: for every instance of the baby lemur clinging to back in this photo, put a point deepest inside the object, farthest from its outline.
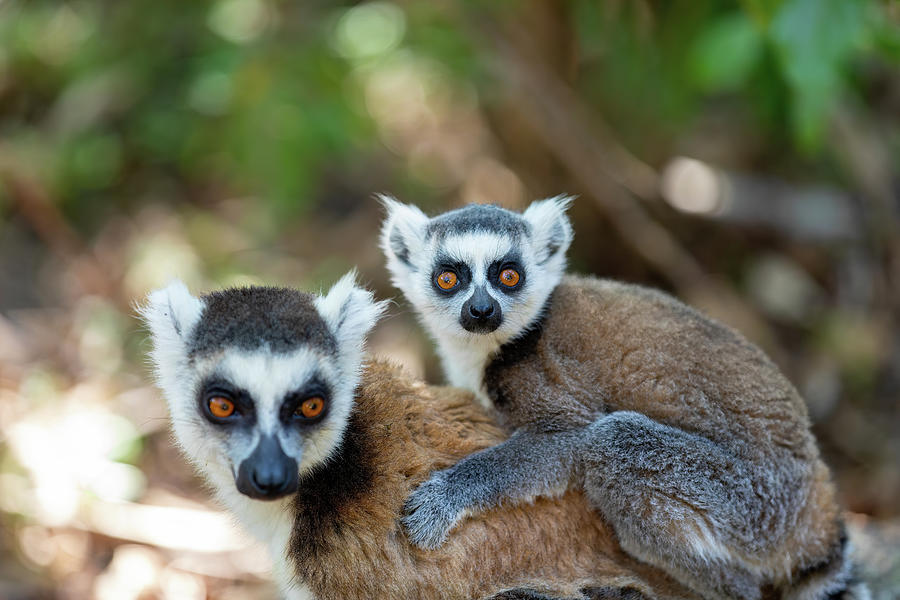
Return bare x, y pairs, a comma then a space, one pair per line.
683, 434
315, 452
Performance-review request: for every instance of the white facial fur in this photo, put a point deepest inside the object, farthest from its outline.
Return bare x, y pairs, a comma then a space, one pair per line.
411, 255
172, 315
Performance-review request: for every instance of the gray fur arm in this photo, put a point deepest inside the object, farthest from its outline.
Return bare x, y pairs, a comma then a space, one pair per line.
526, 465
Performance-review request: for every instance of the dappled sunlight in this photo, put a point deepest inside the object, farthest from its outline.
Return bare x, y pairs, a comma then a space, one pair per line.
176, 528
692, 186
64, 479
240, 21
84, 447
75, 453
369, 29
159, 252
743, 160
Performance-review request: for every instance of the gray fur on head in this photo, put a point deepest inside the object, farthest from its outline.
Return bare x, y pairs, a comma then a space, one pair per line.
252, 317
477, 217
478, 241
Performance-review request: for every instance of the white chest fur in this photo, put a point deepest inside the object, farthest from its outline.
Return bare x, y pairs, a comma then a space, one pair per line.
464, 365
270, 523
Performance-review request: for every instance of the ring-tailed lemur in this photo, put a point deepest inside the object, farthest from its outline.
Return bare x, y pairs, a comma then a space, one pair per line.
684, 435
316, 455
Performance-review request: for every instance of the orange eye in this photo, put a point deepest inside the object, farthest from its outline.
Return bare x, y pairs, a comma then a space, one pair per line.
509, 277
311, 407
221, 407
447, 280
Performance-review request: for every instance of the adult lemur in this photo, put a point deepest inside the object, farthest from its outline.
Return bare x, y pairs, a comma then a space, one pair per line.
684, 435
315, 455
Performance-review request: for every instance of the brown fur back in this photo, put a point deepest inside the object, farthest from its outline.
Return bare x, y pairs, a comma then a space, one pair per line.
606, 346
347, 541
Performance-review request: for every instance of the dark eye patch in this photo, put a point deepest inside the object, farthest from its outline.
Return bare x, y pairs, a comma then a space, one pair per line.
446, 263
316, 386
512, 260
216, 385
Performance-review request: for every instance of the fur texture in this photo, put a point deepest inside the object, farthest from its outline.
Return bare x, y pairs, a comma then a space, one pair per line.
347, 513
683, 434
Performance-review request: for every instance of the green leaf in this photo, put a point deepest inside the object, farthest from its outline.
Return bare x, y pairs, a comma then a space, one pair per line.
761, 11
814, 40
94, 160
724, 55
885, 33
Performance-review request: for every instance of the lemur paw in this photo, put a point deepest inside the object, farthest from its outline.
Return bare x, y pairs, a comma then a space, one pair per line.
429, 514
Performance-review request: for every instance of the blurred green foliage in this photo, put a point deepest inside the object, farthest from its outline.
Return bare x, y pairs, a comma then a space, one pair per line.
793, 59
116, 102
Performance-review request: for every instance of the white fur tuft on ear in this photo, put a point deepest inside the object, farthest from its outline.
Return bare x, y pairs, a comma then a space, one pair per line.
171, 313
551, 231
402, 234
350, 312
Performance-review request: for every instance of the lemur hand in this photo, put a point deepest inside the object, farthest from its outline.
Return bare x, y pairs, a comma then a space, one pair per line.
430, 511
522, 467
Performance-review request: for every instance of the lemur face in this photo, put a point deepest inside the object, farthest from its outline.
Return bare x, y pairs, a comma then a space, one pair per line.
478, 271
259, 381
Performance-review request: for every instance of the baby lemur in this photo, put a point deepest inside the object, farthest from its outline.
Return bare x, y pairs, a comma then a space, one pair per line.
684, 435
315, 454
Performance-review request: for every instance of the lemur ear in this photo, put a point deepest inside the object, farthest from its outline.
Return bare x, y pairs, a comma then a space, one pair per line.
402, 233
551, 231
171, 313
350, 312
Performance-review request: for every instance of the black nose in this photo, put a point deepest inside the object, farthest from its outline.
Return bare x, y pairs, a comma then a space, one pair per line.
481, 310
268, 473
480, 313
270, 479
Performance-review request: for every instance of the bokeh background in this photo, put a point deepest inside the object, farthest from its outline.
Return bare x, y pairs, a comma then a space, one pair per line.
745, 156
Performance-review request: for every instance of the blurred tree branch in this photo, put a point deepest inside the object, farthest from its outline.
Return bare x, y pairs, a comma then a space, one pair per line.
553, 111
33, 202
868, 163
611, 175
